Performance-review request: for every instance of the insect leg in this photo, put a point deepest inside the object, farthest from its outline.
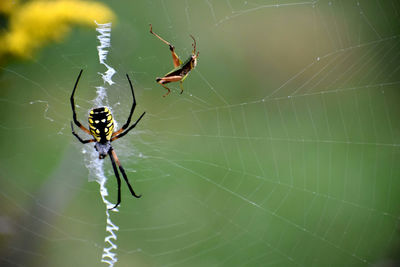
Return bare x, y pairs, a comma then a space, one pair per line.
169, 90
181, 85
175, 58
168, 79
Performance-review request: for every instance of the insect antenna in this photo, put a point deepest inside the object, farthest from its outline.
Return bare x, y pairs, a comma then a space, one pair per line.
194, 45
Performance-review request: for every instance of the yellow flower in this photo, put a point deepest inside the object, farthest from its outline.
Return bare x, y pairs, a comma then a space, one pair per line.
33, 24
6, 6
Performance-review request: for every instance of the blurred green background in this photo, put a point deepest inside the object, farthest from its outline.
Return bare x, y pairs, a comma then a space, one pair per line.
283, 149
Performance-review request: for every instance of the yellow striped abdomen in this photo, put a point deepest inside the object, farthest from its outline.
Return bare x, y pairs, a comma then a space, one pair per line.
101, 124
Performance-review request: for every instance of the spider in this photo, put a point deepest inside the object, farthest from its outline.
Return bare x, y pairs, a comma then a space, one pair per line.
181, 70
101, 126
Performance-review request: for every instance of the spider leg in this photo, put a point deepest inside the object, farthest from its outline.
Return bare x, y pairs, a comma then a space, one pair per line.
130, 128
73, 106
78, 137
124, 174
175, 58
132, 110
118, 179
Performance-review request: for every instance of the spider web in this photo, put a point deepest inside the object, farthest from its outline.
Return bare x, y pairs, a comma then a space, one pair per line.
282, 150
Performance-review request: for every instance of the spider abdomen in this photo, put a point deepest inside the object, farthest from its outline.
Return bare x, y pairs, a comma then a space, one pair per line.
101, 124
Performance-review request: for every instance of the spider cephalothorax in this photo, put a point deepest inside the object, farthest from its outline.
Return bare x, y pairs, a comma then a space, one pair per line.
101, 126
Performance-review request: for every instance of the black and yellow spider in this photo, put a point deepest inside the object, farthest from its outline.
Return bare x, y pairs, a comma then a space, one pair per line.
101, 126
